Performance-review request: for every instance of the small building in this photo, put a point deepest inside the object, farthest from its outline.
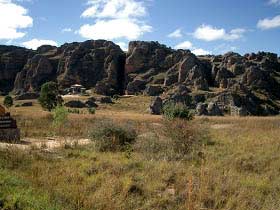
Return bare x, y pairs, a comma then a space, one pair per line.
77, 89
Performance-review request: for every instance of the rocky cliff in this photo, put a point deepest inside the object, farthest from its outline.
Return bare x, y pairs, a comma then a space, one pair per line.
232, 83
92, 63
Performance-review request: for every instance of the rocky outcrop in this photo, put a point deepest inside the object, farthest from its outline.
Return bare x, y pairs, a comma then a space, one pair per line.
92, 64
247, 84
151, 63
12, 61
35, 73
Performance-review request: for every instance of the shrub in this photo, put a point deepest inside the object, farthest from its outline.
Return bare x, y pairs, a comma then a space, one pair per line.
49, 97
116, 97
111, 137
74, 111
8, 101
91, 110
176, 110
60, 115
176, 140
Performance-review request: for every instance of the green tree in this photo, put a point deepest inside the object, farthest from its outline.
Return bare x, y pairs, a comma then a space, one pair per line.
60, 116
8, 102
49, 96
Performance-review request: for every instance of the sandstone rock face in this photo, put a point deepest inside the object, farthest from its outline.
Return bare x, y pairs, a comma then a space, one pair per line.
154, 90
35, 73
92, 64
12, 61
149, 63
248, 83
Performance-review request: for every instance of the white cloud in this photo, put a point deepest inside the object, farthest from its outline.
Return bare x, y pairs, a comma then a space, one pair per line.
267, 23
184, 45
210, 33
65, 30
188, 45
224, 48
275, 2
115, 19
114, 29
176, 34
114, 9
200, 51
13, 18
35, 43
123, 46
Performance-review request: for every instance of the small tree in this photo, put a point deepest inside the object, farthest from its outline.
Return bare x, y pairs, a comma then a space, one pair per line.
8, 102
49, 97
60, 115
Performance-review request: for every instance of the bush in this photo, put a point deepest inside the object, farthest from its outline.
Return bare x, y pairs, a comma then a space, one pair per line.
111, 137
176, 110
176, 140
116, 97
74, 111
60, 115
91, 110
8, 101
49, 97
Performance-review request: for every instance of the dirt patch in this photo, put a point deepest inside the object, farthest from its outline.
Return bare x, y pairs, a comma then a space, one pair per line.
221, 126
45, 143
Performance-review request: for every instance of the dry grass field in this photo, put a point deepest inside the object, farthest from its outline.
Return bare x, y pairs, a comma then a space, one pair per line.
208, 163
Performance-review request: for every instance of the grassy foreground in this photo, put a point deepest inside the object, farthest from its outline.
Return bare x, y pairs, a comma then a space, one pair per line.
227, 163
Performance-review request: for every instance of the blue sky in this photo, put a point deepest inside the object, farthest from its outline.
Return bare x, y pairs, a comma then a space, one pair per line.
204, 26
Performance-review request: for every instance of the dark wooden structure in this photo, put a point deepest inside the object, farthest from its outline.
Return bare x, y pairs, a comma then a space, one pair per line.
9, 131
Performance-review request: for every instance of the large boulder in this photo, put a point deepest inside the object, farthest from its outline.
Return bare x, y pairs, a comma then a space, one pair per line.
201, 109
156, 106
91, 104
214, 110
27, 104
27, 96
75, 104
105, 100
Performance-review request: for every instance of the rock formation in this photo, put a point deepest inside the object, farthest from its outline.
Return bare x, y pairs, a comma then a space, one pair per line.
231, 83
12, 61
92, 64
